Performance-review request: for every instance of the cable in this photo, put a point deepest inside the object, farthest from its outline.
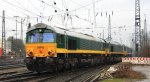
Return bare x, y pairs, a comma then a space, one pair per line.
13, 9
84, 6
50, 5
47, 4
77, 3
76, 8
65, 5
20, 4
82, 19
68, 11
20, 7
34, 6
43, 9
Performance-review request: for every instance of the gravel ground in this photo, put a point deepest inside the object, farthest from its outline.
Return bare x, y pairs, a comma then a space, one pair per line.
11, 61
14, 70
138, 73
145, 70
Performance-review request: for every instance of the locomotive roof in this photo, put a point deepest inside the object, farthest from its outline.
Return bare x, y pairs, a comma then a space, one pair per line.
65, 32
114, 42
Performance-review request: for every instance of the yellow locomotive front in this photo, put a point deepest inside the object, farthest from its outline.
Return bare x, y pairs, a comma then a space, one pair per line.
40, 43
40, 49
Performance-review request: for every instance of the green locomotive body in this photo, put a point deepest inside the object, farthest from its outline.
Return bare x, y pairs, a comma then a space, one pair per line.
53, 48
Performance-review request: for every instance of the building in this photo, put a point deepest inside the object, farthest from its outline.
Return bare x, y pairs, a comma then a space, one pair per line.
0, 47
8, 47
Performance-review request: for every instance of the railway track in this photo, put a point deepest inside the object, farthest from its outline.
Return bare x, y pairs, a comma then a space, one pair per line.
79, 75
12, 69
7, 73
11, 66
15, 77
86, 75
56, 76
96, 76
28, 77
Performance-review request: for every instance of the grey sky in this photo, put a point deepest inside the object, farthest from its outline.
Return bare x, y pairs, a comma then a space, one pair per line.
80, 15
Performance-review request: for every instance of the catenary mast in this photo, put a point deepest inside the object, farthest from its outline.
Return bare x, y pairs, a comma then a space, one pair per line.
137, 28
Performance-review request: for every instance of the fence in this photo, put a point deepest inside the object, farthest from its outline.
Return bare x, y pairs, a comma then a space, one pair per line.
137, 60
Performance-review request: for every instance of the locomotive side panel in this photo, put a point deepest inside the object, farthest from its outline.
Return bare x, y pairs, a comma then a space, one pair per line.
60, 40
85, 44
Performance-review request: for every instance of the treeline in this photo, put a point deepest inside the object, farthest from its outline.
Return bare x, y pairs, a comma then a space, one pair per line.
145, 48
16, 46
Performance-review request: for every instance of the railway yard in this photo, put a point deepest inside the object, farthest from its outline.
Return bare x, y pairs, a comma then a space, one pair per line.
74, 41
100, 73
22, 74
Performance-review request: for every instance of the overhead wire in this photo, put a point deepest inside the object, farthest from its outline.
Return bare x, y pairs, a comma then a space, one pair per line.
65, 4
70, 10
13, 9
76, 8
82, 19
43, 9
20, 7
19, 4
78, 4
50, 5
34, 6
79, 8
11, 18
23, 9
42, 13
84, 6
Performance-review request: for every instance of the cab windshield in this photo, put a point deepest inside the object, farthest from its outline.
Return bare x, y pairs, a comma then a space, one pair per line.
40, 37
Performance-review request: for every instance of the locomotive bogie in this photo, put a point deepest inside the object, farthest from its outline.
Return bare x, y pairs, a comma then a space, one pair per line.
40, 64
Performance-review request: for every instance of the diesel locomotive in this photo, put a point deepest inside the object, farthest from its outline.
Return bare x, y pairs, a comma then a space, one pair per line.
51, 48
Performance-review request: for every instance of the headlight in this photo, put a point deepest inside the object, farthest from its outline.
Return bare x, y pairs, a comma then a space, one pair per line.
30, 54
49, 53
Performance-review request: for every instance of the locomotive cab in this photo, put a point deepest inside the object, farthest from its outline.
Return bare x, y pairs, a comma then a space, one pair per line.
40, 48
41, 43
